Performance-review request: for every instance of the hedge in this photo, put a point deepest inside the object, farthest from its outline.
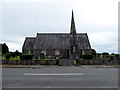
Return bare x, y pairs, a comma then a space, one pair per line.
26, 57
87, 56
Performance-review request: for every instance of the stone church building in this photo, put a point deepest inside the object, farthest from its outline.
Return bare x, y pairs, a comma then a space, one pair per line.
63, 45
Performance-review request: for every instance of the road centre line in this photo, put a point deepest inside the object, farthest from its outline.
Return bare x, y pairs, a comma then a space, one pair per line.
53, 74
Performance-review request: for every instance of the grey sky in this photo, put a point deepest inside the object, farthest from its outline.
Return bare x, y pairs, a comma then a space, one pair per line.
98, 18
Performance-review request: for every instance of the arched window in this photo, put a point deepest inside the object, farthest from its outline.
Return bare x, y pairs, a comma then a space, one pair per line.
29, 52
73, 48
83, 52
43, 51
57, 52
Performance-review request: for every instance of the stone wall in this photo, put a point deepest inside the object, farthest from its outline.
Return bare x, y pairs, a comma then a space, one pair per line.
30, 62
51, 53
99, 62
58, 62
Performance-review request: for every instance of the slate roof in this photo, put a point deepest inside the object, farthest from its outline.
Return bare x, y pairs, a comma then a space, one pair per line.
55, 41
29, 43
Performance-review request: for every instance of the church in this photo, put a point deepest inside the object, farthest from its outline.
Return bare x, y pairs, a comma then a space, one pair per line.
62, 45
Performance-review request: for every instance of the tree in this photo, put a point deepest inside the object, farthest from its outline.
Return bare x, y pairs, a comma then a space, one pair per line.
12, 54
93, 51
105, 53
17, 53
5, 49
112, 53
7, 55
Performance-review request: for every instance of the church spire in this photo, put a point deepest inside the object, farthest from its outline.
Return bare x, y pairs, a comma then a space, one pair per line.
72, 29
73, 39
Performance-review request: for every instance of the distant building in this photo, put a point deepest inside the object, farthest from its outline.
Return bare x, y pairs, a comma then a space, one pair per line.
64, 45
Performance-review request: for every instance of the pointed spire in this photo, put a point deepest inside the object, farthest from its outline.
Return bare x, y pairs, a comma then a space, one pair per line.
72, 29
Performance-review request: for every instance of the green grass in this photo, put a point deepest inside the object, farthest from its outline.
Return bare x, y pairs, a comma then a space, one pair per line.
15, 58
111, 55
44, 59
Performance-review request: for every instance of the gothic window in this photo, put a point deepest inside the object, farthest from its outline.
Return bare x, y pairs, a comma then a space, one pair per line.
43, 51
29, 52
57, 52
83, 53
73, 48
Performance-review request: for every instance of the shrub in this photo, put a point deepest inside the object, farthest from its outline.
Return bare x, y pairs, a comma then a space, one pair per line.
87, 56
117, 55
26, 57
17, 53
93, 52
12, 54
105, 53
112, 53
7, 55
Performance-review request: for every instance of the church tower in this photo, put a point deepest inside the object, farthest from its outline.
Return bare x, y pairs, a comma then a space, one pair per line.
73, 49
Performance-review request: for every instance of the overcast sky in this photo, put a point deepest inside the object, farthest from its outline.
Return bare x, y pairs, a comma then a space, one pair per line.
24, 18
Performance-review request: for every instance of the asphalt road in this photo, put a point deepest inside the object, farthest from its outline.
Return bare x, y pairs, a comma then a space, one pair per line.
60, 77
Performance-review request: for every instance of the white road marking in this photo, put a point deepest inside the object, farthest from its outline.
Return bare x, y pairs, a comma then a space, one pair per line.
53, 74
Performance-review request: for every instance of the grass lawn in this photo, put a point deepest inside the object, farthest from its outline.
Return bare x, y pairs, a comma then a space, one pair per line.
15, 58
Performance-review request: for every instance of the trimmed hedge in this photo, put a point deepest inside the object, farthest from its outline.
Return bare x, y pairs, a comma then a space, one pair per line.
26, 57
87, 56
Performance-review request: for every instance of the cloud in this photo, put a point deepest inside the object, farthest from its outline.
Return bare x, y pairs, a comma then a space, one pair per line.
98, 19
13, 46
104, 41
98, 12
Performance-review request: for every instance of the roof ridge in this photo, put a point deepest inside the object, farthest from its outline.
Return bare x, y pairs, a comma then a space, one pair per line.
56, 33
30, 37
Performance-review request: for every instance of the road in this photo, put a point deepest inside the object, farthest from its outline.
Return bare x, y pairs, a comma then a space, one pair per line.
60, 77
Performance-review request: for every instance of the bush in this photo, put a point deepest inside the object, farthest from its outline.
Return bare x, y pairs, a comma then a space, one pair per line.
105, 53
117, 55
17, 53
12, 54
112, 53
7, 55
26, 57
93, 51
88, 56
